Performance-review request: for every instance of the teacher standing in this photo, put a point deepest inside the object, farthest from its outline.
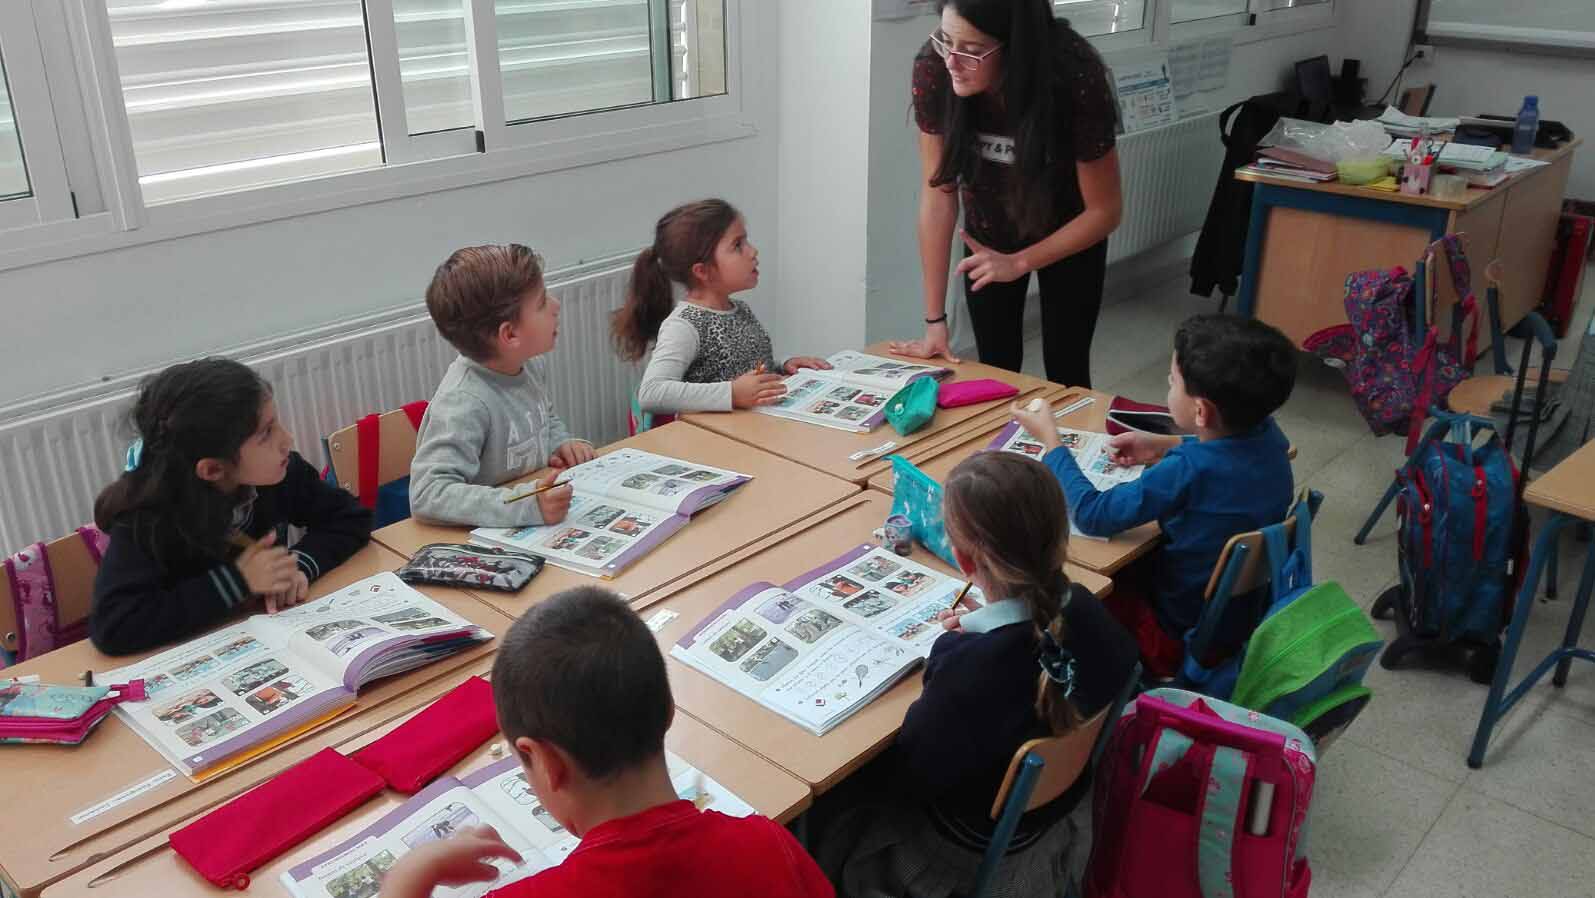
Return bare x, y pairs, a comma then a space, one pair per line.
1017, 123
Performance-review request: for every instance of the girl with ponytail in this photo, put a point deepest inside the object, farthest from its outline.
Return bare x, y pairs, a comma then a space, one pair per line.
198, 519
709, 352
1039, 659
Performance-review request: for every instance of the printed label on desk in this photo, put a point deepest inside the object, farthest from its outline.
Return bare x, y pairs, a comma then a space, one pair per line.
662, 619
124, 796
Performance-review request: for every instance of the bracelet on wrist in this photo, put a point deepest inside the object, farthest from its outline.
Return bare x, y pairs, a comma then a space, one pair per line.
941, 319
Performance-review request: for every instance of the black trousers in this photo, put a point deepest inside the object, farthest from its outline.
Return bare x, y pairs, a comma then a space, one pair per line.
1071, 297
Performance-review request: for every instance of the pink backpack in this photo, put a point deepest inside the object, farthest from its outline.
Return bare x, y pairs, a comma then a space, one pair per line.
1398, 365
1199, 798
33, 595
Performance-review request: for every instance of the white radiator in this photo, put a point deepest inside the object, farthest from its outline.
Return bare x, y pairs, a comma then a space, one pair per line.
1168, 175
57, 453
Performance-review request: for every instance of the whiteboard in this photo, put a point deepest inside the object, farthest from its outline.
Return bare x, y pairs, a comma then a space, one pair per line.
1560, 24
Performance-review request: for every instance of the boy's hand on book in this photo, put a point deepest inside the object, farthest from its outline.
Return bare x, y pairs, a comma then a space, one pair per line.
294, 595
267, 569
1038, 422
799, 362
757, 388
555, 503
570, 454
456, 861
1136, 448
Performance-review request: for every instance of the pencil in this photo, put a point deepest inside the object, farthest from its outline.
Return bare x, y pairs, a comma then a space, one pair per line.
553, 484
961, 593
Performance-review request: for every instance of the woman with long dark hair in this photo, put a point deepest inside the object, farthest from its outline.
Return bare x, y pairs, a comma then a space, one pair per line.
1017, 120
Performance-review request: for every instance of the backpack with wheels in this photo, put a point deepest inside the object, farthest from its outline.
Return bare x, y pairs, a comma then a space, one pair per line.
1199, 798
1457, 548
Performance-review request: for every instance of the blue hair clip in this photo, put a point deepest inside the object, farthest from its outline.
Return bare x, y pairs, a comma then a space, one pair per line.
1056, 662
135, 455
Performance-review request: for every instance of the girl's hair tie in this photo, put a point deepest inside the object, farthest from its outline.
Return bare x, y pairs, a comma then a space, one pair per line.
135, 455
1056, 662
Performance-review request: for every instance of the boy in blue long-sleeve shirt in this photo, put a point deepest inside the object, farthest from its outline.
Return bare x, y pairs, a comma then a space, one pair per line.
1226, 378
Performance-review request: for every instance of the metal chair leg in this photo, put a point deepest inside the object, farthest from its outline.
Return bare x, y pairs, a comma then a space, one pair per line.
1378, 512
1553, 562
1494, 707
1575, 623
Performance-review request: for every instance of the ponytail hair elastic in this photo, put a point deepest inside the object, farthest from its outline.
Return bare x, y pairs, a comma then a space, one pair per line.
135, 455
1056, 662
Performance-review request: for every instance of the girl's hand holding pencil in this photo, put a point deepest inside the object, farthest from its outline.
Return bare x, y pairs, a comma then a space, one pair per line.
757, 388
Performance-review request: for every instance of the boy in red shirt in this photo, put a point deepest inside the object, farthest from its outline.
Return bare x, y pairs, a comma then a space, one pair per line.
583, 697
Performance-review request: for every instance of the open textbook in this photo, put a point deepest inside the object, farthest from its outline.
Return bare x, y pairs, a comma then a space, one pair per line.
496, 795
828, 642
624, 504
850, 396
218, 700
1090, 452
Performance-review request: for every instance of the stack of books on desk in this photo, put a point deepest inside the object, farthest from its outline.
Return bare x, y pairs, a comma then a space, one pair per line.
1292, 164
1479, 166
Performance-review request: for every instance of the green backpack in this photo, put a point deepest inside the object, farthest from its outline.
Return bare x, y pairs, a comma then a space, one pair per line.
1305, 662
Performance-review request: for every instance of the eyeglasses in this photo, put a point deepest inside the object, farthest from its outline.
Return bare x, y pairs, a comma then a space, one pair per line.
958, 57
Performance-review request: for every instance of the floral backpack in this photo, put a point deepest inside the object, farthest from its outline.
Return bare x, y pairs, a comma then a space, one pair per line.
1395, 359
34, 598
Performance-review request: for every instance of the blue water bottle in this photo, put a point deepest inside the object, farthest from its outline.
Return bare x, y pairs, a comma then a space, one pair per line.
1528, 125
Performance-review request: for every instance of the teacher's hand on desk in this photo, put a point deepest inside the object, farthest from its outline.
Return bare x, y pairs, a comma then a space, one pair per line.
933, 346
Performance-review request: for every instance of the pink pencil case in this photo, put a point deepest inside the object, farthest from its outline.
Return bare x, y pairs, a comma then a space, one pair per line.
63, 715
969, 392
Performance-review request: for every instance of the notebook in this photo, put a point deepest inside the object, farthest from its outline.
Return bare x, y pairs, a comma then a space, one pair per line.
826, 643
852, 394
220, 699
624, 505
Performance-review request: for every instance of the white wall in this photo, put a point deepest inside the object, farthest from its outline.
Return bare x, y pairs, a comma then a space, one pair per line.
895, 308
1472, 81
822, 172
74, 321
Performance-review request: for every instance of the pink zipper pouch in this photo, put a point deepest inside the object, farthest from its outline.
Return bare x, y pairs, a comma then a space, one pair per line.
969, 392
60, 715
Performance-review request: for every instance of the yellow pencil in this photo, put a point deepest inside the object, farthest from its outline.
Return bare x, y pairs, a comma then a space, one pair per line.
961, 593
555, 484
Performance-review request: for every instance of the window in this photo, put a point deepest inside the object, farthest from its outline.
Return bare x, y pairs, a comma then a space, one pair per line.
1094, 18
13, 172
1274, 5
227, 94
224, 95
1197, 10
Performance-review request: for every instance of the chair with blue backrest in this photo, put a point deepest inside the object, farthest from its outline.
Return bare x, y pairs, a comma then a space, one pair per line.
1041, 771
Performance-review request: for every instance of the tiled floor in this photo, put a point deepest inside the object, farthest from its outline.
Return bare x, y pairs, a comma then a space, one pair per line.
1397, 811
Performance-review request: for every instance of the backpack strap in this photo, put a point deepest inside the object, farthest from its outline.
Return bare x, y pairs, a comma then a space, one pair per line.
95, 540
368, 443
1227, 774
33, 597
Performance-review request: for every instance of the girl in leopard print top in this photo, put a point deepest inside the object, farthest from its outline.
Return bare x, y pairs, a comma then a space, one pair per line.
709, 352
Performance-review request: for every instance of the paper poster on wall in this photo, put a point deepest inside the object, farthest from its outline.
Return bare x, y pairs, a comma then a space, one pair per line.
1216, 52
1185, 68
903, 9
1146, 94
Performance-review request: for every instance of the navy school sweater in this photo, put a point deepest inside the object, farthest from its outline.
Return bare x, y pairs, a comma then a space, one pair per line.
140, 604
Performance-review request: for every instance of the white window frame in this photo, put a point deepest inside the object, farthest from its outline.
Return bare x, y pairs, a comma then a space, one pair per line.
49, 197
414, 164
1256, 24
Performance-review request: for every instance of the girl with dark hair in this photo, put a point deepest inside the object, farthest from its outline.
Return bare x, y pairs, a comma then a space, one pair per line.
197, 519
1017, 120
1038, 660
709, 353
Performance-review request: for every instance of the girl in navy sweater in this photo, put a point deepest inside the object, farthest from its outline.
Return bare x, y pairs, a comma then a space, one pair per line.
198, 518
1038, 660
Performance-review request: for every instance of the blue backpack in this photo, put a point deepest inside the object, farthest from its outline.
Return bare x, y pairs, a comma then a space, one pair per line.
1456, 503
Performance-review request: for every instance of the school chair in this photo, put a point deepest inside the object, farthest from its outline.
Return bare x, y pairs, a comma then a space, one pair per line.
371, 459
1041, 771
46, 594
1243, 569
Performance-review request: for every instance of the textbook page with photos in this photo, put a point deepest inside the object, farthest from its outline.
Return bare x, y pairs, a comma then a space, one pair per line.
623, 505
497, 796
828, 642
219, 699
1090, 450
852, 394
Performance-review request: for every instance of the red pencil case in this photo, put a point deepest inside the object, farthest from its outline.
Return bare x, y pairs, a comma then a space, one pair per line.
419, 750
969, 392
225, 845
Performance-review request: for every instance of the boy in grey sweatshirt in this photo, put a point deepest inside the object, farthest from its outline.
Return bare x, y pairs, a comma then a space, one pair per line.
492, 418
